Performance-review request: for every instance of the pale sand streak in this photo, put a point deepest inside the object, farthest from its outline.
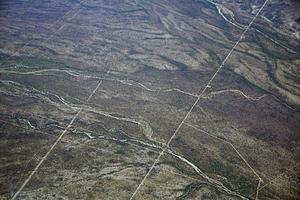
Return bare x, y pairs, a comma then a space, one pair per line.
257, 189
196, 102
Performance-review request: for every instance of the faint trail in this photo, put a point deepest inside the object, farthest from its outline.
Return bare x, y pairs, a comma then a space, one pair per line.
139, 144
142, 145
45, 156
198, 99
212, 181
260, 180
257, 189
55, 143
274, 179
47, 39
278, 43
232, 146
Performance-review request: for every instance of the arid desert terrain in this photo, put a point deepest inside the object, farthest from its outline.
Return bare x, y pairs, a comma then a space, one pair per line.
150, 99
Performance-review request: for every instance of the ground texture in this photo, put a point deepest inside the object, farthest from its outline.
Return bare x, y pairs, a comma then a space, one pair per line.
150, 99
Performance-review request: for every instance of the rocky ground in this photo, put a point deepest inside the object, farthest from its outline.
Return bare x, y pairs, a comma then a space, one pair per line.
160, 99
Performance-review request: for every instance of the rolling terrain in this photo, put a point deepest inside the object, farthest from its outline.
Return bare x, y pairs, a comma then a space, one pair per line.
150, 99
